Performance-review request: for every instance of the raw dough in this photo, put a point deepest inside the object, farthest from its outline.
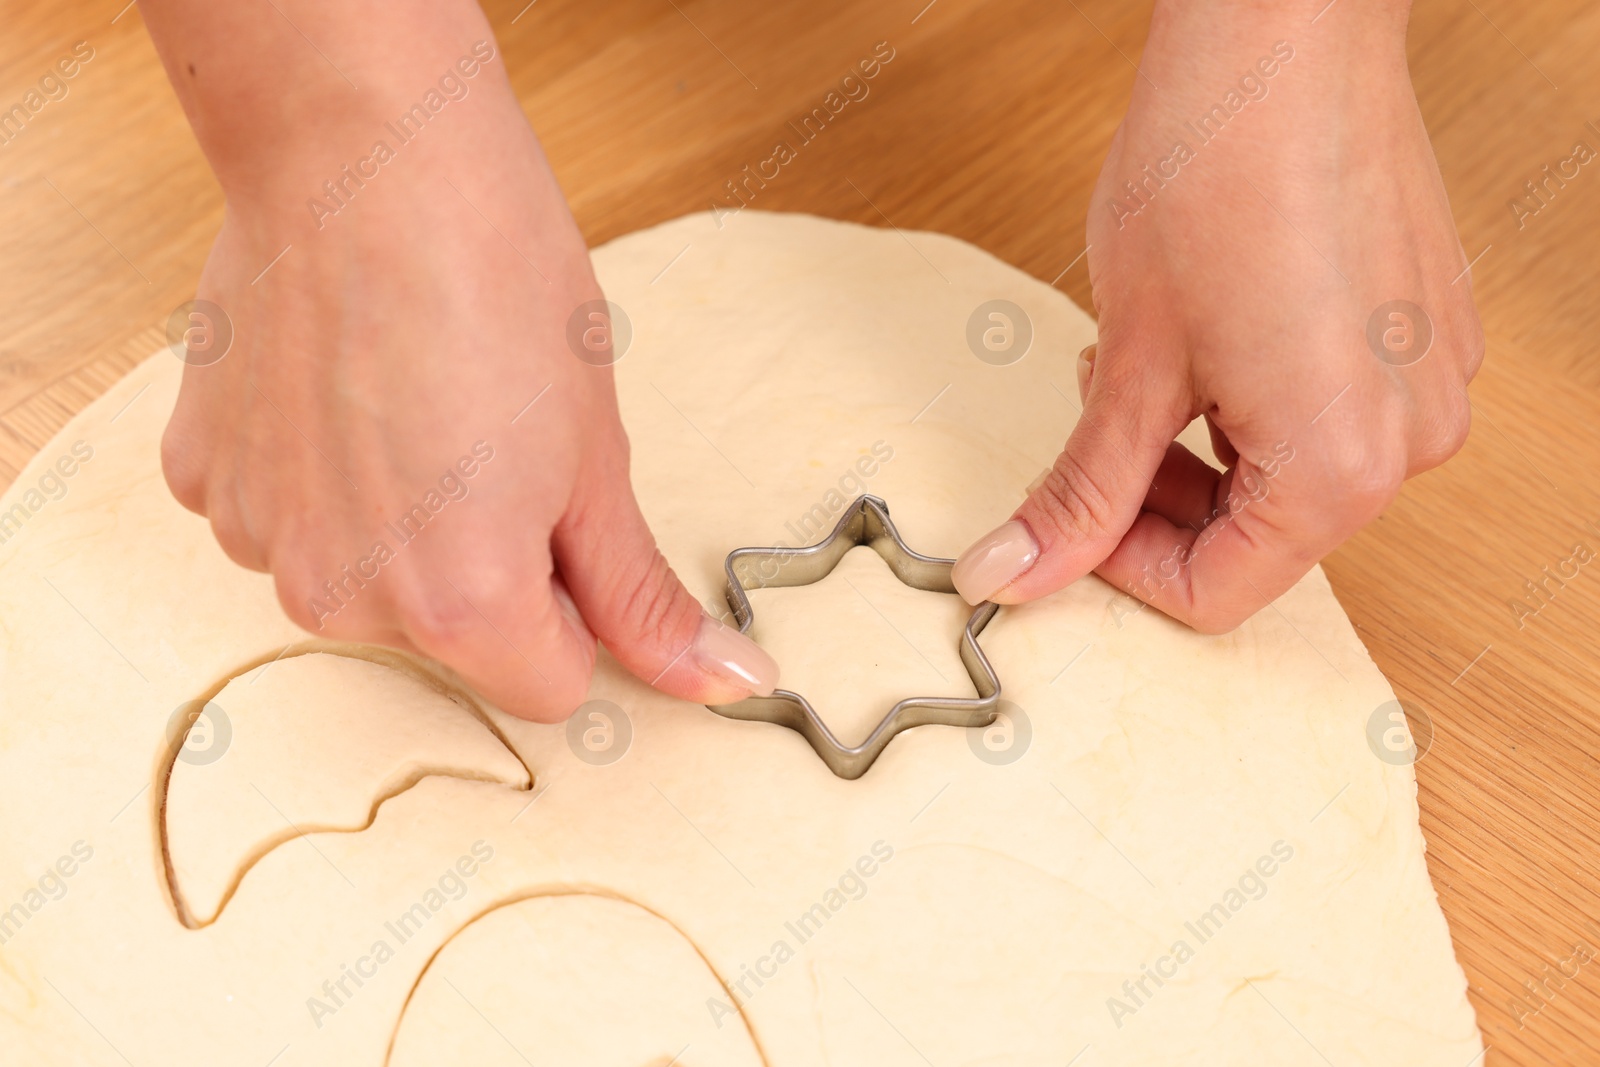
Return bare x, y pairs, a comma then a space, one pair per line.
227, 806
950, 907
606, 968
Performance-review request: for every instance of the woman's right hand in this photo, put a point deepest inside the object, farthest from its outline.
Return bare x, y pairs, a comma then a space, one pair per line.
402, 433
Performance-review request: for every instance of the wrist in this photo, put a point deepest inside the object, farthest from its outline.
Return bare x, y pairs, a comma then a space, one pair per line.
1355, 27
1348, 48
272, 108
1286, 14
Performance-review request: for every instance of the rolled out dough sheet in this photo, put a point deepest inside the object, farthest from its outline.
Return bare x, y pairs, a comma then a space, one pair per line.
1175, 849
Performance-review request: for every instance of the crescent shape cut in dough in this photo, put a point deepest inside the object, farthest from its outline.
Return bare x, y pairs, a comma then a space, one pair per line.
1175, 847
377, 730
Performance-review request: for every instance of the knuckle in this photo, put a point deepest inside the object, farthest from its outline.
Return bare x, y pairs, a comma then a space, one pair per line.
1445, 430
1469, 339
440, 618
295, 607
298, 594
183, 468
1366, 476
231, 533
1474, 344
499, 625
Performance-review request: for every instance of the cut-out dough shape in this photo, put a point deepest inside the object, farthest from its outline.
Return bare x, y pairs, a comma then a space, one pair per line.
611, 985
870, 625
374, 732
964, 903
865, 522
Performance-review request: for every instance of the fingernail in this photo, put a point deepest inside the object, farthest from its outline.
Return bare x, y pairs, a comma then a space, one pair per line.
1085, 371
994, 562
733, 657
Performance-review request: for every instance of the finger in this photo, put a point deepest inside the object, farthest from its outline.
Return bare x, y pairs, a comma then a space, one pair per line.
232, 517
1093, 493
185, 461
1184, 490
1439, 420
348, 627
1086, 370
1226, 454
500, 618
639, 608
335, 603
219, 498
1274, 521
199, 423
232, 531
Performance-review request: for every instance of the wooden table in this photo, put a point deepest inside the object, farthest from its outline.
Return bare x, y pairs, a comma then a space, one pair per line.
990, 125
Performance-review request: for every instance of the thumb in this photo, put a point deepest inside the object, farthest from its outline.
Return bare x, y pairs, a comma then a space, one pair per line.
639, 609
1090, 497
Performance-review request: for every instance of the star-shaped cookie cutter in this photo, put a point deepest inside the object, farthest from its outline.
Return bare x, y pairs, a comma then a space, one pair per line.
865, 522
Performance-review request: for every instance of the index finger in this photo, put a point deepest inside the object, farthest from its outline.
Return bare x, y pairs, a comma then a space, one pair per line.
1211, 548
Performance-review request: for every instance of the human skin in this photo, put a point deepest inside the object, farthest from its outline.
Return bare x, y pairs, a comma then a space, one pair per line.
392, 337
426, 313
1241, 291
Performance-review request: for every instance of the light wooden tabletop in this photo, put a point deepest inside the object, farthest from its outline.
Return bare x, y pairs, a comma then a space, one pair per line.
990, 125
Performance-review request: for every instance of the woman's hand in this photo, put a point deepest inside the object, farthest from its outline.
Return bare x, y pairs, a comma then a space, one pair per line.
1284, 263
405, 432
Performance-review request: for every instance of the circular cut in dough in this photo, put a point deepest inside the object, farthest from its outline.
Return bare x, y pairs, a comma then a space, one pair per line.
1174, 848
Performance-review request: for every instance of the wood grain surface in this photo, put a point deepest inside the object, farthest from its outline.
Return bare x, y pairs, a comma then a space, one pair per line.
990, 125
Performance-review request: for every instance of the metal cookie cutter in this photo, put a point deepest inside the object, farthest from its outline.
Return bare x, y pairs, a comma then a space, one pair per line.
865, 522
